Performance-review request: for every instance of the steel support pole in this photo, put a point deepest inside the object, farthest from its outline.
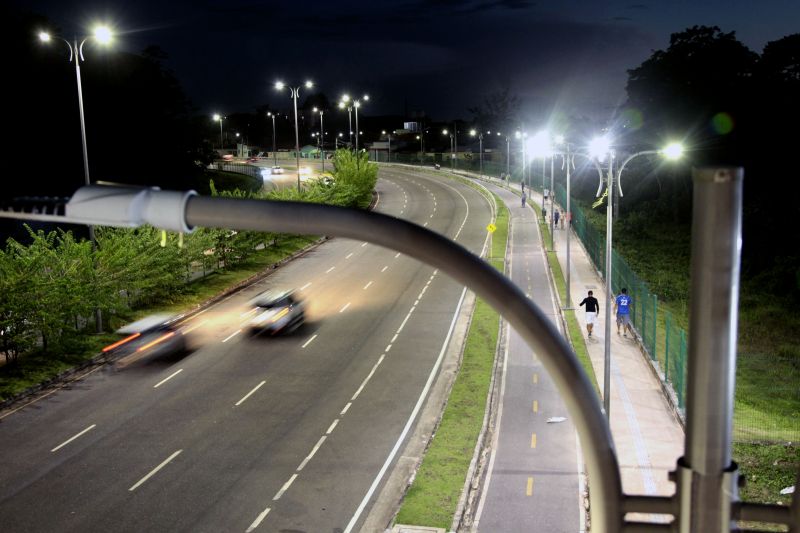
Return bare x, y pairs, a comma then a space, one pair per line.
711, 372
609, 293
322, 139
544, 162
356, 108
568, 214
295, 94
552, 202
274, 145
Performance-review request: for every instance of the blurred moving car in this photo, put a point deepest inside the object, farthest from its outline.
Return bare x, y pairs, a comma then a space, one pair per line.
277, 170
276, 312
154, 336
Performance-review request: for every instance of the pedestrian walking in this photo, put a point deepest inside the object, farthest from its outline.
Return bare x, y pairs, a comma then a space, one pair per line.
524, 199
544, 215
592, 308
622, 308
556, 215
522, 185
565, 215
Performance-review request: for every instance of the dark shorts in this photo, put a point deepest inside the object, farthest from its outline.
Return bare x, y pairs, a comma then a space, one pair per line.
624, 320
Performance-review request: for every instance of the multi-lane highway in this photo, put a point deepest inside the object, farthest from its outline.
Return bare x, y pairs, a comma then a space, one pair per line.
253, 434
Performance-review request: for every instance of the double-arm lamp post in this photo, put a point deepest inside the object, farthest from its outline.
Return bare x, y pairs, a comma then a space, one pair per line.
473, 133
601, 150
295, 91
352, 104
322, 135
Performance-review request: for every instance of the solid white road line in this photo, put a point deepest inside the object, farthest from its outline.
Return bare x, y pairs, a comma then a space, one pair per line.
345, 307
246, 396
232, 335
73, 438
156, 469
314, 336
157, 385
258, 520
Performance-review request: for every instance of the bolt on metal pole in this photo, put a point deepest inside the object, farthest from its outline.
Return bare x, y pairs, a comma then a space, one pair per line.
609, 294
711, 372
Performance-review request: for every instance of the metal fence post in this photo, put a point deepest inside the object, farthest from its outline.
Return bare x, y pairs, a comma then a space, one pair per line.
667, 320
707, 471
654, 335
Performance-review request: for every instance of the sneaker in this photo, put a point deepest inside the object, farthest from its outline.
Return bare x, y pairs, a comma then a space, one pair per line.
590, 333
624, 334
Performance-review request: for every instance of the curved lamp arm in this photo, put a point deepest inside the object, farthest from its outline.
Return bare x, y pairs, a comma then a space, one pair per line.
628, 160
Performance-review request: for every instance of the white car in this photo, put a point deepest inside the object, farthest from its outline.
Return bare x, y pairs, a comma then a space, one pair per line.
277, 170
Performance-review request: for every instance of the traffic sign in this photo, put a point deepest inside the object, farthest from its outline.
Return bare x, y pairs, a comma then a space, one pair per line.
490, 228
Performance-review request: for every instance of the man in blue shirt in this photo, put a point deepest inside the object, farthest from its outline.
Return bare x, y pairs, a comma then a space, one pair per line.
622, 308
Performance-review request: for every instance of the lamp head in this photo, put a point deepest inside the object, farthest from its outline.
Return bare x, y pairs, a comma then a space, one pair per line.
216, 117
102, 34
280, 85
309, 84
673, 151
599, 147
44, 37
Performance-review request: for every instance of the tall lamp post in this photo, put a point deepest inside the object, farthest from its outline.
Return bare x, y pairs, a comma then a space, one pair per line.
344, 104
452, 152
352, 104
600, 148
219, 118
389, 136
322, 135
480, 145
103, 35
419, 138
295, 91
274, 148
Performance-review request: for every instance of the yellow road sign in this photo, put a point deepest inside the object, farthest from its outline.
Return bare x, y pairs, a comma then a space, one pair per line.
490, 228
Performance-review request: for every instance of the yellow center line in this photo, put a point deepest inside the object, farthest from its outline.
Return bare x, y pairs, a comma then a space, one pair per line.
535, 406
529, 488
533, 440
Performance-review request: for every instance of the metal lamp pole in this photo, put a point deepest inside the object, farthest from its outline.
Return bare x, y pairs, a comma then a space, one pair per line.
552, 202
274, 149
508, 157
295, 92
322, 136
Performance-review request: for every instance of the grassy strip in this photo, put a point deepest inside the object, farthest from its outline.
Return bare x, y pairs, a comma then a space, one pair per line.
35, 368
434, 495
573, 328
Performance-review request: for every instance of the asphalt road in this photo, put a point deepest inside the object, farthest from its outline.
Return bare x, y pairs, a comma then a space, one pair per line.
252, 434
534, 468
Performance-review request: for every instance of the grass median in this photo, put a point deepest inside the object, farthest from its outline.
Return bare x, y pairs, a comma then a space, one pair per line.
433, 497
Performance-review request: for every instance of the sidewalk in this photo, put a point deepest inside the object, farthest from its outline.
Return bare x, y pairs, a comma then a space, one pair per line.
647, 435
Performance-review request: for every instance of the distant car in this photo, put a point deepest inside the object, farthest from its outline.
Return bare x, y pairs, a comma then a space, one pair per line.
277, 170
227, 157
153, 336
276, 312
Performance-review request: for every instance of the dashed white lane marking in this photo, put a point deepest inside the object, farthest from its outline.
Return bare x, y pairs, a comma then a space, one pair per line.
232, 335
310, 455
397, 255
345, 307
388, 347
329, 270
156, 469
246, 396
304, 287
314, 336
363, 244
157, 385
202, 322
425, 225
348, 256
258, 520
384, 268
367, 285
284, 488
394, 338
346, 408
331, 428
73, 438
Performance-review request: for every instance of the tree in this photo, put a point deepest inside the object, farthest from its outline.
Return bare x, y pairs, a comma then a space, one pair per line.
497, 111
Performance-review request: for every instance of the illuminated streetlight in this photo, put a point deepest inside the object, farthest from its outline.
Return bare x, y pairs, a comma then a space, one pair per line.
321, 135
295, 91
601, 148
274, 148
480, 147
219, 118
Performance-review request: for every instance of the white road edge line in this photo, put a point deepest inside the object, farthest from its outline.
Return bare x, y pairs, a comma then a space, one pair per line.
73, 438
284, 488
246, 396
410, 421
314, 336
258, 520
156, 469
157, 385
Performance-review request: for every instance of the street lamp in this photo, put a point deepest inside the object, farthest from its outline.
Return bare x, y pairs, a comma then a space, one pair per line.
452, 150
419, 138
352, 104
322, 135
344, 104
103, 35
600, 148
295, 91
521, 135
480, 144
219, 118
274, 149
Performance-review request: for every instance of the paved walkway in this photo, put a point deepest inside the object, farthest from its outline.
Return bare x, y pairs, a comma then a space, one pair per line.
648, 436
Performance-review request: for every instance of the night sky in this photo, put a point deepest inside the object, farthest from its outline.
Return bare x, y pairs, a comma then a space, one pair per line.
439, 56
